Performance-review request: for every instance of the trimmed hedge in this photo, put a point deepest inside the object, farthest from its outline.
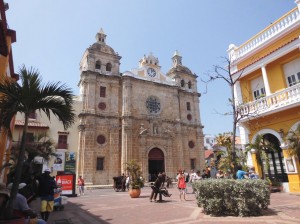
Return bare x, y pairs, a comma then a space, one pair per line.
219, 197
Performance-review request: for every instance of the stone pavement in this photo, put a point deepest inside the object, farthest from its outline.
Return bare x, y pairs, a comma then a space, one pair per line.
107, 206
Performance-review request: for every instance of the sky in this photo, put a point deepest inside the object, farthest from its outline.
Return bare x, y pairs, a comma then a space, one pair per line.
52, 36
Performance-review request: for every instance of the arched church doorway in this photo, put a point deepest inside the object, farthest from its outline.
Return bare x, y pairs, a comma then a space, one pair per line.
277, 167
156, 163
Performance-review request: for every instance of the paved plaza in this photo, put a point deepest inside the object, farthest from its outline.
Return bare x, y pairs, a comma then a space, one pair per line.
107, 206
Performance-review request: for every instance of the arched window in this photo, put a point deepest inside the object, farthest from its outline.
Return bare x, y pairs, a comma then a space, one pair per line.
182, 83
98, 65
108, 67
190, 84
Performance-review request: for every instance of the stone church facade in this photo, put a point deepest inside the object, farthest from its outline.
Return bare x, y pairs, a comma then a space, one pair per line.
142, 114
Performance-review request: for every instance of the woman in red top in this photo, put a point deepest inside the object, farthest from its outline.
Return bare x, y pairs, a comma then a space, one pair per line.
181, 184
80, 183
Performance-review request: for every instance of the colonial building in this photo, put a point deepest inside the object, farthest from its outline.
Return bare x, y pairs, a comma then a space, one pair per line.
40, 128
7, 37
142, 114
267, 67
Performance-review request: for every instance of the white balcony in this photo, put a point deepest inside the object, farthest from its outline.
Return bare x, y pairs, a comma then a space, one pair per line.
278, 101
279, 26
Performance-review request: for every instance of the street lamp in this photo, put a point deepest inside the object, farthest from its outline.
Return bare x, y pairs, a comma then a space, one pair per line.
281, 132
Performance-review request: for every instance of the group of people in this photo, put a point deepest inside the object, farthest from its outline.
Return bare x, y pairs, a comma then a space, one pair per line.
158, 187
251, 174
46, 186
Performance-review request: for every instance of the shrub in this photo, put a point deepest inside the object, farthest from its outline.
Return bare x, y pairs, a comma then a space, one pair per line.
220, 197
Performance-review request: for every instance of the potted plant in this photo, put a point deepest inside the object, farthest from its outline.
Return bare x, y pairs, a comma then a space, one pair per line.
29, 96
136, 179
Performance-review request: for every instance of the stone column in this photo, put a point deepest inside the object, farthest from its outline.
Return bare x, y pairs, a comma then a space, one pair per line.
126, 155
196, 114
266, 81
114, 156
80, 153
89, 160
238, 93
114, 98
244, 135
298, 4
200, 149
126, 105
126, 124
91, 94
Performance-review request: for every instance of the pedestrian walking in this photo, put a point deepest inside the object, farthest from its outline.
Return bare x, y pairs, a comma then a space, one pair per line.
181, 185
80, 183
46, 192
127, 182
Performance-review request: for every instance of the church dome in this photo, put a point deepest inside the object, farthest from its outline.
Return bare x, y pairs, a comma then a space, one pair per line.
100, 44
102, 48
181, 69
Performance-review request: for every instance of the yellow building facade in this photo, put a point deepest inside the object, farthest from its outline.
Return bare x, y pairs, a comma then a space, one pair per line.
267, 92
7, 37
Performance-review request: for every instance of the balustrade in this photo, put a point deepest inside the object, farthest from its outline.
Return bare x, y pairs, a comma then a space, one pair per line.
270, 31
273, 102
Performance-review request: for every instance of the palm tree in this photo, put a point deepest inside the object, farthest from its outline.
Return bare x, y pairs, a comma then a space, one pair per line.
28, 96
293, 139
261, 146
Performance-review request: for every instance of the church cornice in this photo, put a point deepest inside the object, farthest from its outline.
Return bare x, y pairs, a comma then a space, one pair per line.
189, 93
90, 72
87, 113
151, 82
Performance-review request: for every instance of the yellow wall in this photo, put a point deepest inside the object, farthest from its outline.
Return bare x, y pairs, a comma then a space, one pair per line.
294, 179
4, 62
245, 83
281, 120
275, 75
275, 121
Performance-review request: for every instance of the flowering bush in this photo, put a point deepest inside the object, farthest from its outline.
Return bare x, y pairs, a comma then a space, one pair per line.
220, 197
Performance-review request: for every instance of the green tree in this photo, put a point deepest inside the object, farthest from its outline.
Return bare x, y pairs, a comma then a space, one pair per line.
29, 96
42, 147
261, 147
226, 163
224, 72
293, 139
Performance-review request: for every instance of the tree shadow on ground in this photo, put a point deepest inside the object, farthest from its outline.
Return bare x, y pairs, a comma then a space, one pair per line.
73, 213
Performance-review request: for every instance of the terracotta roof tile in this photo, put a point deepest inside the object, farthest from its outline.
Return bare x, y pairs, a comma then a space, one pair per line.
208, 153
31, 124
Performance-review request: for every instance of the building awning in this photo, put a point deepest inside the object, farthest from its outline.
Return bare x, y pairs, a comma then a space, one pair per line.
32, 124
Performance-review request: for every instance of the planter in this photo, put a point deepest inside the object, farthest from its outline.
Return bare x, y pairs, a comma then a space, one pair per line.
134, 193
276, 188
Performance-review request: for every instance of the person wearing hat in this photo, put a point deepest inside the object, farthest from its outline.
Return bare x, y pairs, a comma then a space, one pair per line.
46, 191
21, 207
